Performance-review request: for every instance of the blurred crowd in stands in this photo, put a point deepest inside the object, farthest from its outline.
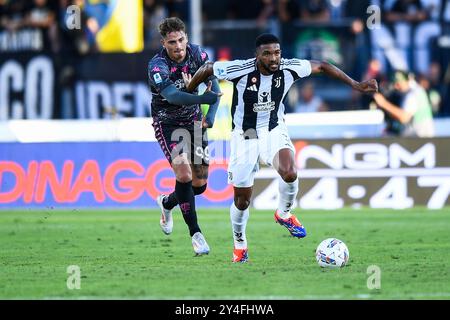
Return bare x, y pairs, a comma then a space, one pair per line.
414, 37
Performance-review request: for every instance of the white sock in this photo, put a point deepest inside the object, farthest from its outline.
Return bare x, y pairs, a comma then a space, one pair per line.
288, 193
239, 223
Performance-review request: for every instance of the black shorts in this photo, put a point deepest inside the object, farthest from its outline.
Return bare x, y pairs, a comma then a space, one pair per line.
190, 139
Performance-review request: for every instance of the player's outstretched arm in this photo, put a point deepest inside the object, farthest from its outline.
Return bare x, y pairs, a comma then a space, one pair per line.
395, 111
203, 73
369, 86
177, 97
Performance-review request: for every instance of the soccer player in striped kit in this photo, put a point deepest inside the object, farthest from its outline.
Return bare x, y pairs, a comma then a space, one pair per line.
258, 129
179, 125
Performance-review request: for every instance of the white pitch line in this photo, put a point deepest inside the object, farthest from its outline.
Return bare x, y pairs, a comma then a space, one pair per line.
268, 173
391, 296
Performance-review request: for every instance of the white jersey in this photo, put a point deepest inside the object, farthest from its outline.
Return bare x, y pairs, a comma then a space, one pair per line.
258, 99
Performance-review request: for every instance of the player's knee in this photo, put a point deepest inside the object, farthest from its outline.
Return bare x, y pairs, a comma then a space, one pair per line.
184, 176
289, 175
182, 171
199, 190
241, 203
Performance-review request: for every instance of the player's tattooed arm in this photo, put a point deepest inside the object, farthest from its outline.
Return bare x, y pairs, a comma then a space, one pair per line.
203, 73
369, 86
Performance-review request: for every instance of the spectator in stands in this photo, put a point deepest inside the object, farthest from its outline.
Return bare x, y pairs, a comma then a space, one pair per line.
356, 12
414, 112
445, 11
433, 95
72, 45
403, 38
288, 10
154, 13
259, 10
437, 83
42, 15
214, 10
446, 91
407, 11
177, 8
92, 25
13, 14
3, 13
373, 72
71, 40
308, 101
433, 7
356, 9
314, 11
304, 10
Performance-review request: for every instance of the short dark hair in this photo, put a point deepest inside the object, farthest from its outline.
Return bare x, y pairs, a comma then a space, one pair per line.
400, 75
266, 38
169, 25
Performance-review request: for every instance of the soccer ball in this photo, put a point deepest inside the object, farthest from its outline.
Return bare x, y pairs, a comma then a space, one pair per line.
332, 253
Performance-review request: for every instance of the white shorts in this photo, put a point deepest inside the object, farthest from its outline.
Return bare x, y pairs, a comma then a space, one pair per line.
245, 154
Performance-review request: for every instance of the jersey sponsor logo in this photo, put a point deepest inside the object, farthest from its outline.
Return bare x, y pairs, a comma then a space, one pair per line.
185, 69
264, 103
173, 69
157, 78
277, 82
252, 88
156, 69
265, 106
264, 96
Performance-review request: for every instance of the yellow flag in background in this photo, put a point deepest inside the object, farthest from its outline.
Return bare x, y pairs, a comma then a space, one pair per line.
124, 32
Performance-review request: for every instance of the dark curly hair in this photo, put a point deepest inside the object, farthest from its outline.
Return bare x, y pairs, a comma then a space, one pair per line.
169, 25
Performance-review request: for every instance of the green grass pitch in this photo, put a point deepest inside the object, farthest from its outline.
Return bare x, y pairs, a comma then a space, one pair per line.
124, 255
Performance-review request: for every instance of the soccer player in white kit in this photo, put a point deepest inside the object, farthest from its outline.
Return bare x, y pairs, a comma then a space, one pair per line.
258, 129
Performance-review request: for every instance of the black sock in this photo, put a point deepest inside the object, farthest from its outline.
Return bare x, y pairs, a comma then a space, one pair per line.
186, 200
199, 190
171, 201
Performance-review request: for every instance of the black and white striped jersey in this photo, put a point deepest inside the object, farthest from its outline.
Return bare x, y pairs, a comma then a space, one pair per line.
258, 99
